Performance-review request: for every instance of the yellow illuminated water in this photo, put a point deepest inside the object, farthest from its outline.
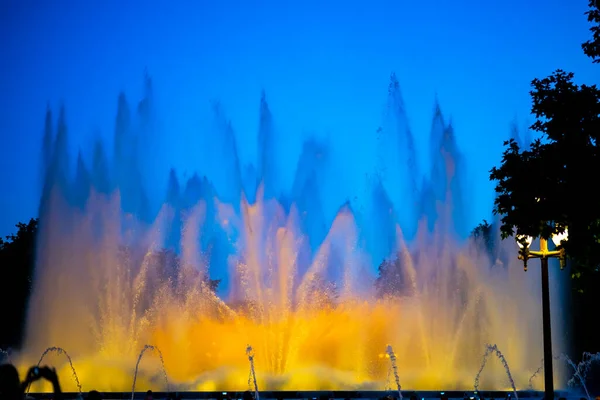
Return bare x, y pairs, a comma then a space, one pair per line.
94, 301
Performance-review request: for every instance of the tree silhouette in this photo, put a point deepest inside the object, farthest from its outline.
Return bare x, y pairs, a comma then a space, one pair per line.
484, 235
393, 279
17, 258
591, 48
546, 188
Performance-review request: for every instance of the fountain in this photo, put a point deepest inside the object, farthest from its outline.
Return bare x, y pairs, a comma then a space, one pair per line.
137, 366
390, 352
318, 285
494, 349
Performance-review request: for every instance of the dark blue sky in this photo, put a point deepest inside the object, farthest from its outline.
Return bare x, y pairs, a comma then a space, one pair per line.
324, 64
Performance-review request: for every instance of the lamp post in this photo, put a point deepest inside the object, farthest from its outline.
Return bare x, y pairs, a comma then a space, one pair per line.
544, 254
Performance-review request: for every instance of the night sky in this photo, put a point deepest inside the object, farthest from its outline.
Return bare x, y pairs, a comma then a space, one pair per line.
324, 65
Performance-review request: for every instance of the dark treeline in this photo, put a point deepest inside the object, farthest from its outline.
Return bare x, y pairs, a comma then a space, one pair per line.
17, 261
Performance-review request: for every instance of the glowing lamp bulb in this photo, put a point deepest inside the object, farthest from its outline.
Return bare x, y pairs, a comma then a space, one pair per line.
524, 239
558, 238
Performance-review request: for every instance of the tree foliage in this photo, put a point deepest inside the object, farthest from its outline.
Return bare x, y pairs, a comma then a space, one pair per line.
543, 189
393, 279
591, 48
549, 187
17, 258
484, 234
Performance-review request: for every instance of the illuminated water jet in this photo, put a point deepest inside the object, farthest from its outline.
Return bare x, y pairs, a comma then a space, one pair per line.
583, 367
318, 291
579, 371
493, 349
390, 352
59, 351
137, 366
250, 354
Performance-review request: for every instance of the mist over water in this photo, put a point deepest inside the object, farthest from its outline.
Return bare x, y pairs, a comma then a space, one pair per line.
119, 267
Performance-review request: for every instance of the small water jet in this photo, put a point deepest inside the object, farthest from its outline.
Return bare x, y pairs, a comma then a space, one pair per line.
583, 367
579, 371
494, 349
537, 372
250, 354
59, 351
137, 365
390, 352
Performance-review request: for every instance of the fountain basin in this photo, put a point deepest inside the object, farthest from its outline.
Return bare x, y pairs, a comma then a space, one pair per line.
338, 394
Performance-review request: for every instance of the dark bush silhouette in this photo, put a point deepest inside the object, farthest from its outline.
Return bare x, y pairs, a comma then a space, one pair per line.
17, 258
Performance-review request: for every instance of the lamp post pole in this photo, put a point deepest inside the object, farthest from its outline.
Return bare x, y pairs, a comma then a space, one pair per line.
544, 254
547, 326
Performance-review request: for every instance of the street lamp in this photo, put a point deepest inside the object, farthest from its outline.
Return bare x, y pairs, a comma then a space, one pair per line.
544, 254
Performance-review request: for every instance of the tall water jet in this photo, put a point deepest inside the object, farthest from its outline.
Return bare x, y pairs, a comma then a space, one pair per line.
225, 160
397, 159
267, 167
148, 147
445, 182
381, 229
47, 140
307, 190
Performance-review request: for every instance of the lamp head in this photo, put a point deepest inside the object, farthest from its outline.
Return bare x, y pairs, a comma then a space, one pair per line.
524, 241
560, 237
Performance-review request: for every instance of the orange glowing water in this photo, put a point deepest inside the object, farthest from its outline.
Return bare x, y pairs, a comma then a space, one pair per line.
103, 309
